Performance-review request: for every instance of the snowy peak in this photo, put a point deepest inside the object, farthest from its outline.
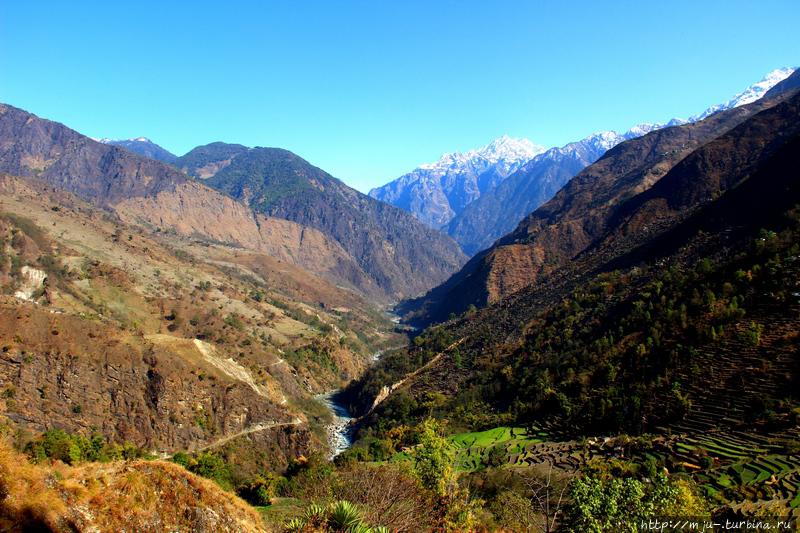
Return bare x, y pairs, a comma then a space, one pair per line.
142, 146
508, 149
749, 95
106, 140
505, 149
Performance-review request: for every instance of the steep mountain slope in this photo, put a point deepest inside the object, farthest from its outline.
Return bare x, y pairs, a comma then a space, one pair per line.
165, 342
499, 210
401, 255
369, 250
100, 173
683, 315
553, 235
437, 192
144, 147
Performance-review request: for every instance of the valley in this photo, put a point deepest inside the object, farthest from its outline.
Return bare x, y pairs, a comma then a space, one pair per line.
517, 337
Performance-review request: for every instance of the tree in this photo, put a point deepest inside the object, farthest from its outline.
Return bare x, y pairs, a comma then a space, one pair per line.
433, 458
617, 504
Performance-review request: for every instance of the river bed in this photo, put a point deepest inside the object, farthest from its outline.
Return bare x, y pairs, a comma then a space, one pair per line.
341, 430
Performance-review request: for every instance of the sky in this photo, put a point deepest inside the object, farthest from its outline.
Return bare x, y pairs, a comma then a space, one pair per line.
367, 90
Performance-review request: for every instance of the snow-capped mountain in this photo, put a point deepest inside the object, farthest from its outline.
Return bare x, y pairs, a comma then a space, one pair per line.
436, 192
142, 146
749, 95
454, 194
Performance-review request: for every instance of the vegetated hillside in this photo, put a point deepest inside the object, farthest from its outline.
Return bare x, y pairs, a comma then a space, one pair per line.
168, 343
204, 161
116, 496
161, 198
144, 147
706, 299
574, 220
682, 322
401, 255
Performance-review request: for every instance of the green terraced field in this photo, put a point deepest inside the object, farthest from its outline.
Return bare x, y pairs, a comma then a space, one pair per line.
501, 445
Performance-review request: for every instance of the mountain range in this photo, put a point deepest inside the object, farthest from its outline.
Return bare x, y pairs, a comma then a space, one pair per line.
655, 295
552, 236
629, 318
265, 199
444, 194
437, 192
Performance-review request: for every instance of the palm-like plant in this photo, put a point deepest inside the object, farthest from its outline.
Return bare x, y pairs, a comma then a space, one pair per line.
343, 515
340, 517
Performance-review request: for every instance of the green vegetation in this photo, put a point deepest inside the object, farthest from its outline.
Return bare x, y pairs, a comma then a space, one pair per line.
340, 515
57, 444
597, 504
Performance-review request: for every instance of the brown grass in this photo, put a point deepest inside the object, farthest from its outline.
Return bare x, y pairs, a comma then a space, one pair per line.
115, 497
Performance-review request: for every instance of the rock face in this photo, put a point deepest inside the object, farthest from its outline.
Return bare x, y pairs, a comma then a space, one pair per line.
193, 209
288, 208
399, 253
437, 192
578, 216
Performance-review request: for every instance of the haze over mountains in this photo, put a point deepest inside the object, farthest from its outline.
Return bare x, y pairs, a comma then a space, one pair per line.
444, 194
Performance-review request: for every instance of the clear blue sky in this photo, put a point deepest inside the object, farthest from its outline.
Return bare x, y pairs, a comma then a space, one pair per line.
367, 90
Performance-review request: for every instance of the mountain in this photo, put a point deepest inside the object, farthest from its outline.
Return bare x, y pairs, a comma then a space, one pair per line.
500, 209
401, 254
553, 235
170, 343
145, 147
436, 192
379, 251
669, 339
484, 218
203, 162
749, 95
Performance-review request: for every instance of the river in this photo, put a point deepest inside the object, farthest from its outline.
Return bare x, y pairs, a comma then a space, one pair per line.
341, 430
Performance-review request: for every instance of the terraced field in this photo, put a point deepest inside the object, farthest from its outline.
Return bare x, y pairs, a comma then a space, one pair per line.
734, 466
494, 447
516, 447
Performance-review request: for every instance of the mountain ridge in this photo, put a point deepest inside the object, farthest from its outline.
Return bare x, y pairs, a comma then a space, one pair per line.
556, 232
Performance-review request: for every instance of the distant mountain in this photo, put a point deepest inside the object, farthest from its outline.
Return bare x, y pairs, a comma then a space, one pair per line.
749, 95
351, 239
204, 161
551, 238
497, 210
401, 254
437, 192
143, 146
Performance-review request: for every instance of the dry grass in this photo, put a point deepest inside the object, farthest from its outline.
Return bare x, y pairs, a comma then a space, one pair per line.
115, 497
